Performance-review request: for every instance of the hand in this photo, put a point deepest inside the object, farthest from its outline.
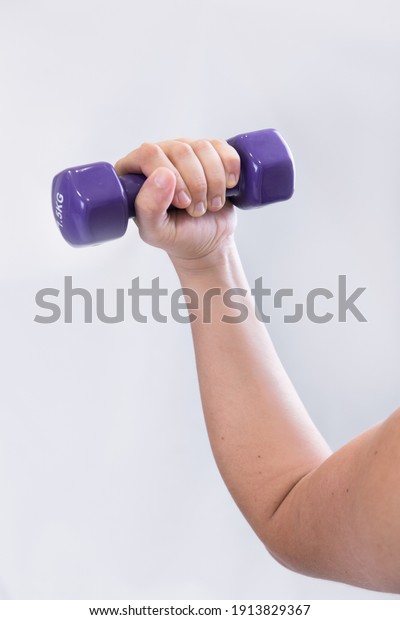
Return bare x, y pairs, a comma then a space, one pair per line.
192, 175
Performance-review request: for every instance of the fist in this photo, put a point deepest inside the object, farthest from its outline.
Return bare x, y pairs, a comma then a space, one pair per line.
192, 175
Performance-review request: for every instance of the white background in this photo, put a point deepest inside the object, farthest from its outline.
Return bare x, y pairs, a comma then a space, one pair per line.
108, 487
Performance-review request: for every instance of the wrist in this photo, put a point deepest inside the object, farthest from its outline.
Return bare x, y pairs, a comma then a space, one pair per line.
217, 260
222, 269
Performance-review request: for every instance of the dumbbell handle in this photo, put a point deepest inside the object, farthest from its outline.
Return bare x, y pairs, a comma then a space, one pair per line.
132, 184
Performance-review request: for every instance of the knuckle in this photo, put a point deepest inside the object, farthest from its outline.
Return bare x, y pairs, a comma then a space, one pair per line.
148, 150
202, 145
182, 149
216, 184
199, 187
218, 143
232, 158
228, 154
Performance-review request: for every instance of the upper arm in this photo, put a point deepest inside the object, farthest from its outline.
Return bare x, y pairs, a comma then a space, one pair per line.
342, 520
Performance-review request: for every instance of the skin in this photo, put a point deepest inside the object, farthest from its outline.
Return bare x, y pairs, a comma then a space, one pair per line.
333, 516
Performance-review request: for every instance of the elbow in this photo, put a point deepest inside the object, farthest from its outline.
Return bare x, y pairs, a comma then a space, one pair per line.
285, 540
282, 549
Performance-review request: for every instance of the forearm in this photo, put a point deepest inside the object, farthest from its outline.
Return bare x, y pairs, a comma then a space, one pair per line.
261, 436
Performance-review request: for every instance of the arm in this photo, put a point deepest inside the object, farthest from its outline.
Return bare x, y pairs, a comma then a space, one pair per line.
332, 516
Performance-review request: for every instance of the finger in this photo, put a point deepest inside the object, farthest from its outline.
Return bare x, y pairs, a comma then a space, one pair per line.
188, 164
152, 203
230, 159
144, 160
214, 172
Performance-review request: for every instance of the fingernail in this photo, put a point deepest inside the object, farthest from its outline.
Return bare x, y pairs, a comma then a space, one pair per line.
199, 208
184, 198
161, 180
231, 180
216, 202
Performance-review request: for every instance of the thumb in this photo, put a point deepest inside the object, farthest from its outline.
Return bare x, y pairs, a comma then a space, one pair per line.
153, 200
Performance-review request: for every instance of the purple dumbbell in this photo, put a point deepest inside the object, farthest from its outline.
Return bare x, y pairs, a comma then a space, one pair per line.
92, 204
